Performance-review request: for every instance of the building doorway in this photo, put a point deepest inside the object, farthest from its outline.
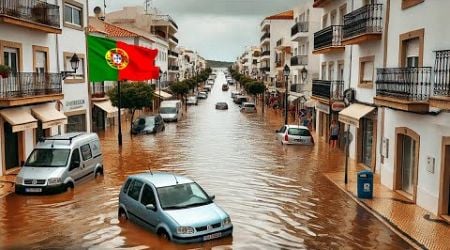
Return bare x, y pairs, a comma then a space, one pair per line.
444, 197
407, 162
367, 141
12, 149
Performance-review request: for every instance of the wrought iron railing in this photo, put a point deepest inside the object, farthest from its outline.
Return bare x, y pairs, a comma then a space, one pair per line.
333, 90
328, 37
442, 73
173, 67
413, 84
299, 27
32, 10
265, 35
173, 38
173, 53
24, 84
265, 53
367, 19
299, 60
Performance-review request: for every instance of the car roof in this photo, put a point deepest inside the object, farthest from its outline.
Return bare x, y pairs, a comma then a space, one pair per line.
247, 103
297, 126
66, 140
161, 179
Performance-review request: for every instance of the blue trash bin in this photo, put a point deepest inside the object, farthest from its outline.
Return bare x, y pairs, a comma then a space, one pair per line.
365, 184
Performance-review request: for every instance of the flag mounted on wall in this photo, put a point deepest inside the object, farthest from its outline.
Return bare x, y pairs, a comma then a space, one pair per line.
111, 60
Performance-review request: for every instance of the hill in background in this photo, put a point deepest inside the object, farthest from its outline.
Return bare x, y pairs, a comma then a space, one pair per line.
218, 64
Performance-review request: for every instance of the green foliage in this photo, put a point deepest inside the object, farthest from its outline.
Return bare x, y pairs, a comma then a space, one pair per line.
179, 88
255, 88
4, 69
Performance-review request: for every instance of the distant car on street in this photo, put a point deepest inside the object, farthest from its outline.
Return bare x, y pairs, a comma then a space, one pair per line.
174, 207
192, 100
230, 81
207, 88
222, 105
210, 82
202, 95
225, 87
248, 107
148, 125
294, 134
239, 99
235, 93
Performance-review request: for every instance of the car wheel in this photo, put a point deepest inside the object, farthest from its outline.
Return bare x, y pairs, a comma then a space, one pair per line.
98, 172
163, 128
122, 215
163, 234
69, 187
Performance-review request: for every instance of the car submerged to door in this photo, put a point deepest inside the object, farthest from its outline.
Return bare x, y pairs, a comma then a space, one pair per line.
58, 163
294, 134
148, 125
174, 207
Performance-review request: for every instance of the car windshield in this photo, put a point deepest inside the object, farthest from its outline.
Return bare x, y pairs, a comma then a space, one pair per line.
182, 196
191, 98
48, 158
168, 110
150, 121
299, 132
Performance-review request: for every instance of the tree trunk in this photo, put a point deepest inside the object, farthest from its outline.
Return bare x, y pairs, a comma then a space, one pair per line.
131, 119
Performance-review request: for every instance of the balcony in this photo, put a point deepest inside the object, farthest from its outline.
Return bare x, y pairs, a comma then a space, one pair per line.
265, 24
441, 97
320, 3
27, 88
265, 69
173, 68
265, 53
265, 37
328, 91
173, 39
328, 40
99, 91
405, 89
299, 60
363, 24
31, 14
299, 31
299, 88
173, 53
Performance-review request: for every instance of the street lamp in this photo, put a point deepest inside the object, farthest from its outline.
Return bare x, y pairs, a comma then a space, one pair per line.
286, 72
159, 87
178, 77
74, 63
304, 74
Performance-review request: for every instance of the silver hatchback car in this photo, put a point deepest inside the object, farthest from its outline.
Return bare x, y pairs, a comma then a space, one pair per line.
294, 134
174, 207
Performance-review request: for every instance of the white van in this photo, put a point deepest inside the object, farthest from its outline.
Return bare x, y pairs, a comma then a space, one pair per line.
171, 110
59, 162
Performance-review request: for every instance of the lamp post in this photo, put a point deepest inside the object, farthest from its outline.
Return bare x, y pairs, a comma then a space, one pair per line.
178, 77
159, 88
286, 72
304, 74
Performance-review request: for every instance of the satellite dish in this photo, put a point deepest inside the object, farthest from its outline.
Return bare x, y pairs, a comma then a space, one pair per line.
97, 10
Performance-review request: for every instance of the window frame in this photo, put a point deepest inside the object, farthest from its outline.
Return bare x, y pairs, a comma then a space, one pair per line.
73, 5
362, 61
82, 64
142, 194
132, 186
82, 153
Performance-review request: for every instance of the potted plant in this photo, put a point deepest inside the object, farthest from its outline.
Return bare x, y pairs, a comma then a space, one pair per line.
4, 71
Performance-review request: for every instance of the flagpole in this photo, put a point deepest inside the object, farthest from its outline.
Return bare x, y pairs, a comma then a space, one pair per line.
119, 107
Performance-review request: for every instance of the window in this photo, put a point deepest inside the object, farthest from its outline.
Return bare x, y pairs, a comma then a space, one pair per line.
76, 123
135, 189
41, 61
79, 76
148, 197
75, 159
86, 152
11, 58
366, 70
73, 15
126, 186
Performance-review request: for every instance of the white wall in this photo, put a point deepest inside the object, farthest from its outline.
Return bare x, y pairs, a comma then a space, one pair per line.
278, 30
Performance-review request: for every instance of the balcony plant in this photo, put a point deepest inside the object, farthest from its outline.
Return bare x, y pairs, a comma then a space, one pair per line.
4, 71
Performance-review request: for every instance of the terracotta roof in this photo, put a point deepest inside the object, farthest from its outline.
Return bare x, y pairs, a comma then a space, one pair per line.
110, 30
287, 15
92, 29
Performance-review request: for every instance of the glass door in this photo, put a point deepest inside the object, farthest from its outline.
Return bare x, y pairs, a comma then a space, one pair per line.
12, 150
366, 143
11, 59
408, 148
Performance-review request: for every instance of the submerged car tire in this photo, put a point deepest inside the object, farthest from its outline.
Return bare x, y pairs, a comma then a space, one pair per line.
69, 187
122, 215
98, 172
163, 234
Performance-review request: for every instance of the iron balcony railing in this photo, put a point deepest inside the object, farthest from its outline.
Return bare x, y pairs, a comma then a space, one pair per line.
412, 84
264, 69
173, 22
31, 10
299, 27
442, 73
265, 35
173, 67
265, 53
173, 53
173, 38
25, 84
328, 37
299, 60
365, 20
332, 90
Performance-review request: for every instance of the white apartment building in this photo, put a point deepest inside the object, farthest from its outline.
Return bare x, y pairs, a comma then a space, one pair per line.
37, 41
249, 60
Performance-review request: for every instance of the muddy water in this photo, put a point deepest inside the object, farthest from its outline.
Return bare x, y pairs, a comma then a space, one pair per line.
276, 196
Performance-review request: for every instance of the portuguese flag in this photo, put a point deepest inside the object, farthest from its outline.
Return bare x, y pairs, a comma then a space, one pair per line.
111, 60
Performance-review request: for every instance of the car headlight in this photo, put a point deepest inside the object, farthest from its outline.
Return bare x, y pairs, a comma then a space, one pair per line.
19, 180
227, 221
185, 230
54, 181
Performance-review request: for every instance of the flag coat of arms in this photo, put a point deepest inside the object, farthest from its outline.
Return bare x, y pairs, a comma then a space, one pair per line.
111, 60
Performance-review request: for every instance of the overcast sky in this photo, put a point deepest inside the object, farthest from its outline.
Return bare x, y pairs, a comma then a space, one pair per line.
217, 29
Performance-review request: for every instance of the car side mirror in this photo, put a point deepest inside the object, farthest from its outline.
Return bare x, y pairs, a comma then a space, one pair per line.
150, 207
212, 197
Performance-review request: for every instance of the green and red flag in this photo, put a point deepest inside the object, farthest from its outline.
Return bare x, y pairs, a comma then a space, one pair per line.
111, 60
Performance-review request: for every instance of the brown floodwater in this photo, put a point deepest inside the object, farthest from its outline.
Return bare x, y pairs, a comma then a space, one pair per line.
277, 196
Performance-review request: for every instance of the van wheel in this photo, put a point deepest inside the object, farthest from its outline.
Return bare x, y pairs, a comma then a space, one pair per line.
99, 172
122, 215
163, 234
69, 187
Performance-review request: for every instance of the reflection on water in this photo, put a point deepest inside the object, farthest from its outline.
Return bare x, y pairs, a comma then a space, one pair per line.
275, 195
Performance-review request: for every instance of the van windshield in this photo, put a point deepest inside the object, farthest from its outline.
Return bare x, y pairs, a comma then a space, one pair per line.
48, 158
168, 110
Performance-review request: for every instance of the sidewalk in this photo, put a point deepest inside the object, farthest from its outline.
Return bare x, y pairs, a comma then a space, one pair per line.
7, 183
416, 225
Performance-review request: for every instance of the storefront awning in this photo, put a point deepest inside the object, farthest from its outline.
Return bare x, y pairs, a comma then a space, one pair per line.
20, 119
107, 106
49, 116
164, 95
310, 103
351, 114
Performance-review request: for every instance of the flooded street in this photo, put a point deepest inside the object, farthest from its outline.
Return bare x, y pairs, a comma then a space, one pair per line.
276, 196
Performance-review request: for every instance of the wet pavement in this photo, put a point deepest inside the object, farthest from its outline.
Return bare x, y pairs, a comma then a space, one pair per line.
276, 195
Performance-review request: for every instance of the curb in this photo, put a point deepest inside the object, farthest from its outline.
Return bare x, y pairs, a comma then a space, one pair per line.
394, 228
